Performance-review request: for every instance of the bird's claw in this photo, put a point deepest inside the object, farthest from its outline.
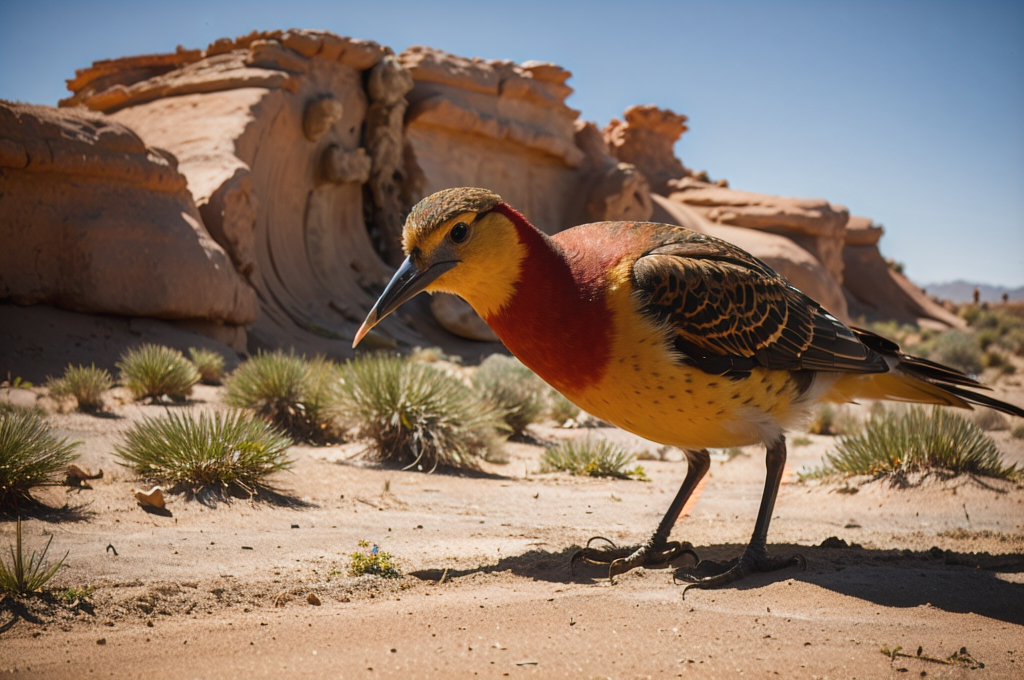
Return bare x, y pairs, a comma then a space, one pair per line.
621, 559
752, 560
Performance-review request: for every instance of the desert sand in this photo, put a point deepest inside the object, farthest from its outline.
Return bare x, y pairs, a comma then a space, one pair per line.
220, 590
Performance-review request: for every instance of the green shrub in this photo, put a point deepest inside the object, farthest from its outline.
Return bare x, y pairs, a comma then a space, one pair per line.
85, 384
959, 350
220, 452
513, 388
917, 440
560, 408
30, 456
1018, 432
157, 371
299, 396
375, 562
26, 578
414, 414
591, 457
210, 364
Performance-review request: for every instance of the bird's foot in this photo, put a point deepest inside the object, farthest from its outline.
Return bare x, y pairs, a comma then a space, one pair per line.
752, 560
620, 559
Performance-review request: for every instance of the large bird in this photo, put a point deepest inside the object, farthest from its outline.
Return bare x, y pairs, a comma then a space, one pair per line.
676, 336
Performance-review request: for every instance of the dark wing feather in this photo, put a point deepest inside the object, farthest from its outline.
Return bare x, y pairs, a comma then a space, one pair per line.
730, 312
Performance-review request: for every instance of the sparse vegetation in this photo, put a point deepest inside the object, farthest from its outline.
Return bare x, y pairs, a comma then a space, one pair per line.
76, 594
220, 452
30, 456
375, 561
210, 364
832, 420
1018, 432
894, 444
959, 350
997, 325
157, 371
415, 414
561, 409
85, 383
22, 577
591, 457
299, 396
513, 388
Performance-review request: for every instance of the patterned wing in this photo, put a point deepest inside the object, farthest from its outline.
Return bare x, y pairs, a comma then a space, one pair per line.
730, 312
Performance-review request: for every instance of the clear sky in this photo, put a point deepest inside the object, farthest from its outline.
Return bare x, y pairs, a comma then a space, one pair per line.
911, 113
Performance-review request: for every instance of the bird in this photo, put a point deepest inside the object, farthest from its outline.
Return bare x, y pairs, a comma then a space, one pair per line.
674, 335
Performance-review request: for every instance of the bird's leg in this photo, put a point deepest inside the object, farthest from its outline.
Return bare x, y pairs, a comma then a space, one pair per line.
657, 550
756, 557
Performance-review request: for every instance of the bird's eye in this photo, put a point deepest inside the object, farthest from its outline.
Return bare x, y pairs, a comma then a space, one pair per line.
459, 233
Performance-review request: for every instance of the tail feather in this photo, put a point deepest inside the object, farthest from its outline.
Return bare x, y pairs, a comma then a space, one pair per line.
914, 379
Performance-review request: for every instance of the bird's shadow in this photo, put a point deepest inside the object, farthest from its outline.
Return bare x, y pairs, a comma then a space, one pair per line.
950, 581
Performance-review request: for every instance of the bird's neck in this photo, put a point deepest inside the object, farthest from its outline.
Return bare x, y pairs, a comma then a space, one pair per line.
556, 321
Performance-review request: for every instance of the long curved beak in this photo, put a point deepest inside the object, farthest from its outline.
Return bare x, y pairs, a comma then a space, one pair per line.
407, 282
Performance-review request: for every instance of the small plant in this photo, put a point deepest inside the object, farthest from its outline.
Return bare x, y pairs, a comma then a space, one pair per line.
376, 562
30, 456
219, 452
513, 388
21, 578
76, 594
299, 396
157, 371
413, 413
591, 457
85, 384
561, 409
210, 364
1018, 432
801, 441
918, 440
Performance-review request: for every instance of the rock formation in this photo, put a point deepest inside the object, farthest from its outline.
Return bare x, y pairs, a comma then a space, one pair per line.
877, 293
254, 191
94, 220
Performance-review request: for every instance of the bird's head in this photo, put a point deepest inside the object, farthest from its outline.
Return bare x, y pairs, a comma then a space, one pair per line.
455, 242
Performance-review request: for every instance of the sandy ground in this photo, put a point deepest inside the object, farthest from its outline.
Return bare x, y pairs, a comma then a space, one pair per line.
221, 591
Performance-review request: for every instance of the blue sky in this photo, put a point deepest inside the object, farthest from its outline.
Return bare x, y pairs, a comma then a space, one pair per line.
908, 112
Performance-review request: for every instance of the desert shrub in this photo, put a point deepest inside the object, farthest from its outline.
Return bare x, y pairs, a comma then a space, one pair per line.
999, 325
30, 456
25, 578
513, 388
157, 371
220, 452
375, 562
298, 396
415, 414
591, 457
894, 444
210, 364
85, 383
989, 419
959, 350
832, 420
560, 409
1018, 432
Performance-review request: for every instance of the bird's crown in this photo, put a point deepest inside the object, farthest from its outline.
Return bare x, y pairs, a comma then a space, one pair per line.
436, 209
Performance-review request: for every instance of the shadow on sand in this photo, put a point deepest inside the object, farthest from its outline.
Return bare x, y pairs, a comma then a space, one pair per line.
950, 581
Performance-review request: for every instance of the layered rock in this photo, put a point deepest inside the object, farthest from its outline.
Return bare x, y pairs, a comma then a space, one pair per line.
94, 220
268, 130
646, 138
505, 126
877, 293
814, 224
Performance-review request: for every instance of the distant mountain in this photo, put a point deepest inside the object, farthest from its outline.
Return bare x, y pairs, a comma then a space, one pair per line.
963, 291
